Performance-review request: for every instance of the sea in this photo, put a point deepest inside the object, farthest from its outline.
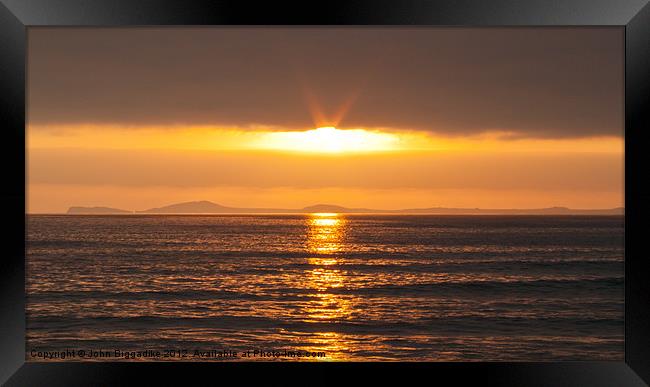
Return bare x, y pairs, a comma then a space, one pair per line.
324, 287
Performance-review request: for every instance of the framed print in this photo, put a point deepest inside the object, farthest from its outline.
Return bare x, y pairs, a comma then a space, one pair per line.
453, 189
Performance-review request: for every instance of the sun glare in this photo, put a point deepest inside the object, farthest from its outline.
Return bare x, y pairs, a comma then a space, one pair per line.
331, 140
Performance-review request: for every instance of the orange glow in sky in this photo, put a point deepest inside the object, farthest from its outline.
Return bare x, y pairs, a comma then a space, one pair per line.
325, 140
143, 167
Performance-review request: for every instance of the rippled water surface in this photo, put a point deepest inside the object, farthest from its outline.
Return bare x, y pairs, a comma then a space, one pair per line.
354, 287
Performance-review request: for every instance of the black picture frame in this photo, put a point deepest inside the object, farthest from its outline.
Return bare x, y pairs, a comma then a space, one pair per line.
16, 16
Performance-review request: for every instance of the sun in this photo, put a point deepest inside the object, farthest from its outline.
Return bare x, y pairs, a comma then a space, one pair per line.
330, 140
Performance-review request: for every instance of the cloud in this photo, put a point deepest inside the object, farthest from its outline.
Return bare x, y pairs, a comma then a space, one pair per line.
535, 82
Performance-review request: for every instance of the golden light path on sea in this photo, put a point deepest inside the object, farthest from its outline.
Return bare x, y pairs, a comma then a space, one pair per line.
325, 236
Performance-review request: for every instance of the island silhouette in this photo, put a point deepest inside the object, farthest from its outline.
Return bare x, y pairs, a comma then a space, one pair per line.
207, 207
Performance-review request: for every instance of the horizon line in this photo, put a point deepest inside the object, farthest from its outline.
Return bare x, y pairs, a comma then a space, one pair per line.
329, 208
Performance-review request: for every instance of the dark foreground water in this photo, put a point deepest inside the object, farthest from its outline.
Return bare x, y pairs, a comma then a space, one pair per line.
354, 287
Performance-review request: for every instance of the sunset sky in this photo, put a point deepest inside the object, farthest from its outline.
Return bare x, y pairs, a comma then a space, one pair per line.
135, 118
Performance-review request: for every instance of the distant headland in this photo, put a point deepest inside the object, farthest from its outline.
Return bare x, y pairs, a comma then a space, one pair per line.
96, 210
207, 207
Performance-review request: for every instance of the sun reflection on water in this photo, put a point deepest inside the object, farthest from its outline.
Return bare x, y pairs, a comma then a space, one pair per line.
325, 238
325, 234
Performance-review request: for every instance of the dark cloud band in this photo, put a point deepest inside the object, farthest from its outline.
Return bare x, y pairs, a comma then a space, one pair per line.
536, 82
